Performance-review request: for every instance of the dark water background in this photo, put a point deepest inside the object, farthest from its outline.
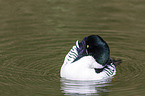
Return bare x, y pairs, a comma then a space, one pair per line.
35, 35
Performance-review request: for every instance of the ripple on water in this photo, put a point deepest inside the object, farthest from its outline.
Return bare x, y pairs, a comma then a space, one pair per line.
26, 62
130, 73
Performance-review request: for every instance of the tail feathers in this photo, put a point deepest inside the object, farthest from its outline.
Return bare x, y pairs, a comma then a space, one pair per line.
116, 62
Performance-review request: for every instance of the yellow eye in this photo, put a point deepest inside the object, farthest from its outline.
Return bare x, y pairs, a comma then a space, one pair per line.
87, 46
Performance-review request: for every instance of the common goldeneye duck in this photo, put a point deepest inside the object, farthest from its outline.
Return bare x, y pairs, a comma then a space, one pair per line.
88, 60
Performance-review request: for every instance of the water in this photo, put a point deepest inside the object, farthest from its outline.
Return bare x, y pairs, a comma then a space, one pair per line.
74, 88
35, 35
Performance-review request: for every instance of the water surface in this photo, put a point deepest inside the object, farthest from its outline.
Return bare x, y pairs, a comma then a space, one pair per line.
35, 35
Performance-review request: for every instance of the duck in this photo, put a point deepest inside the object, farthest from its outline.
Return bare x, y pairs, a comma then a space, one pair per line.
89, 60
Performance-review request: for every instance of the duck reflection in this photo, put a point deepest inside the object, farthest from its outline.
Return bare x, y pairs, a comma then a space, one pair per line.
70, 87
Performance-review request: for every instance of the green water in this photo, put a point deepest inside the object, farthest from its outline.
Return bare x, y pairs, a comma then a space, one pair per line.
35, 35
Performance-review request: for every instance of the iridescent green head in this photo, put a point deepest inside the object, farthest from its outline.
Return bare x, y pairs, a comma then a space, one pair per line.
98, 48
95, 46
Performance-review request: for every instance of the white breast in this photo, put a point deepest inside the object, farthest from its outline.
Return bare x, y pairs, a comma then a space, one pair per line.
83, 69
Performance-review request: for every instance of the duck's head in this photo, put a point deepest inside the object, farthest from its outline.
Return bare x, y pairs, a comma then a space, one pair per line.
94, 46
